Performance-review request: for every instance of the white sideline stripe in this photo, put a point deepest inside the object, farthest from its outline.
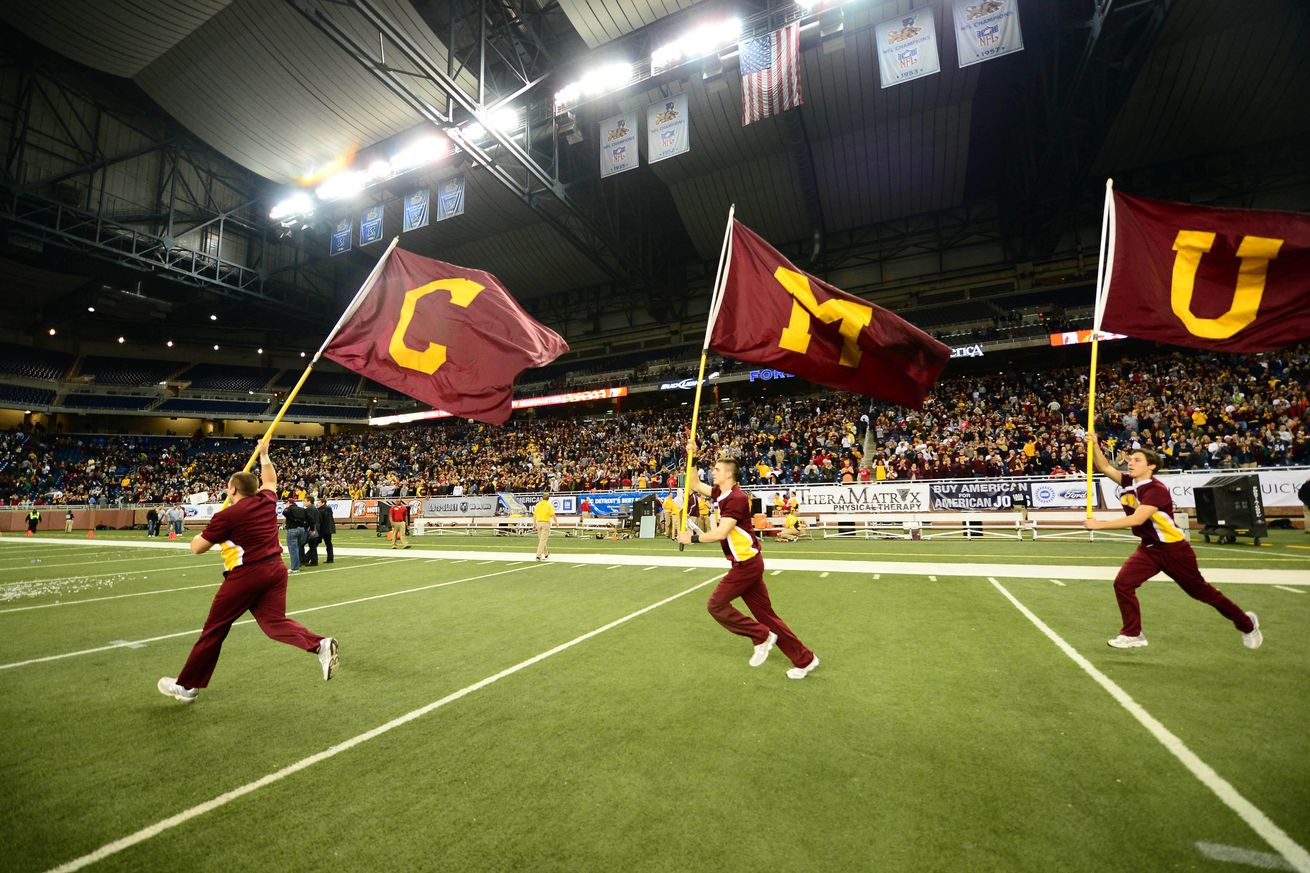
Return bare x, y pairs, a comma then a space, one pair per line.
1058, 582
1249, 857
1296, 856
223, 799
107, 597
1293, 590
714, 561
119, 645
46, 566
192, 565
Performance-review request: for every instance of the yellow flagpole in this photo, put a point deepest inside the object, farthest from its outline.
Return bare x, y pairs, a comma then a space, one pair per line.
720, 279
1102, 281
350, 310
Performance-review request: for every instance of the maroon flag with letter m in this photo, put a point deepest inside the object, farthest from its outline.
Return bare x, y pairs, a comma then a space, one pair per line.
1235, 280
773, 314
446, 335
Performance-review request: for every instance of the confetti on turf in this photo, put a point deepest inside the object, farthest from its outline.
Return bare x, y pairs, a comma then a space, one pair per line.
56, 587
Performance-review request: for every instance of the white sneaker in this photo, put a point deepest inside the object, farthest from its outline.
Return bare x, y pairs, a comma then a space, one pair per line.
802, 672
1123, 642
763, 649
328, 657
1254, 638
169, 688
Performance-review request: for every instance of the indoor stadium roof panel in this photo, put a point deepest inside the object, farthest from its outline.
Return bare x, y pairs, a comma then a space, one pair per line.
601, 21
117, 38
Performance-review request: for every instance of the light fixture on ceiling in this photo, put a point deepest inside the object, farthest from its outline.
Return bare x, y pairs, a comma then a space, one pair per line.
90, 309
215, 346
299, 203
169, 344
52, 331
121, 340
593, 83
341, 186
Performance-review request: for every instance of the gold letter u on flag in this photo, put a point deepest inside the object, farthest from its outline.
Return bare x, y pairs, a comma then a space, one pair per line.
1255, 253
462, 291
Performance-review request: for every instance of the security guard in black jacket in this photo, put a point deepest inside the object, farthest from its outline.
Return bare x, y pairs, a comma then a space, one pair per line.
327, 526
299, 521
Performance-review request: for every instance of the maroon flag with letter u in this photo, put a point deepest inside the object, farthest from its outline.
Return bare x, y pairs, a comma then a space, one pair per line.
778, 316
446, 335
1235, 280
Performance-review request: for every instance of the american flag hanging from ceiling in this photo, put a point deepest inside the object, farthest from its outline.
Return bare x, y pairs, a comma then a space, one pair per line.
770, 73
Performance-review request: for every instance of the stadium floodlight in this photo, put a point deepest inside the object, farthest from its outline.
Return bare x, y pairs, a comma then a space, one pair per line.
52, 331
169, 344
213, 317
90, 309
420, 153
259, 351
378, 170
696, 43
342, 185
506, 119
297, 204
593, 83
215, 346
121, 339
473, 132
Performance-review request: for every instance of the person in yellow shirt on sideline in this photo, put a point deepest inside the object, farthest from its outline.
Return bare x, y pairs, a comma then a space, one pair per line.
791, 529
543, 516
670, 515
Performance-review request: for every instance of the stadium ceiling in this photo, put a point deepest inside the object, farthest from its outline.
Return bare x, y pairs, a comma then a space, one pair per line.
1101, 87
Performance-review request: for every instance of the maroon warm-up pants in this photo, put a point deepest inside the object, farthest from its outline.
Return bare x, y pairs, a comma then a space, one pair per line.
746, 580
1178, 562
261, 588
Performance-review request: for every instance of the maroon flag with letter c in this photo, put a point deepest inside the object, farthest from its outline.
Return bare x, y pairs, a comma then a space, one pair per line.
775, 315
445, 335
1234, 280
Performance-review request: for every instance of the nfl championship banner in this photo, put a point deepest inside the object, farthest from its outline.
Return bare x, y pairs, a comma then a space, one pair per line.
618, 144
448, 336
416, 209
342, 234
666, 128
907, 47
986, 29
450, 197
1233, 280
370, 225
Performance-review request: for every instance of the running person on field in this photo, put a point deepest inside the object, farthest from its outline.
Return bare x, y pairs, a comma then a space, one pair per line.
1148, 510
741, 546
254, 578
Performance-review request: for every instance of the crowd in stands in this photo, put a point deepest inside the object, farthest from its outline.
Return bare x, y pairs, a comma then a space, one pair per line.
1197, 410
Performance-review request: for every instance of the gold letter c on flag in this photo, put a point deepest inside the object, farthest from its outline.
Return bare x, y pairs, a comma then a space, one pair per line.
854, 317
1255, 252
462, 292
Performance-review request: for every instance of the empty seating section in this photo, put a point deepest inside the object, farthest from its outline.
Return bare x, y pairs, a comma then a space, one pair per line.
188, 405
33, 363
16, 395
219, 377
329, 384
106, 401
316, 410
124, 371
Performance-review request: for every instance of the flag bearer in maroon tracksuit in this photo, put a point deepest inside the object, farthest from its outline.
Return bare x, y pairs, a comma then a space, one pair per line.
741, 546
1148, 510
254, 578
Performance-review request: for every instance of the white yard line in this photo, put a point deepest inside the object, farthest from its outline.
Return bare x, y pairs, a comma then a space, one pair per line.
1276, 837
1293, 590
128, 644
173, 821
45, 566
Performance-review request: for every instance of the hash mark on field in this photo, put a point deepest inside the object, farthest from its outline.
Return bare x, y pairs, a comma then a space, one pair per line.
648, 569
613, 566
1249, 857
1293, 590
689, 569
823, 575
486, 562
932, 578
1058, 582
775, 572
877, 575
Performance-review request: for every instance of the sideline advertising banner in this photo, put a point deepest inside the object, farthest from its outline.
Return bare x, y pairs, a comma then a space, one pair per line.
1061, 494
1278, 486
983, 494
467, 506
870, 497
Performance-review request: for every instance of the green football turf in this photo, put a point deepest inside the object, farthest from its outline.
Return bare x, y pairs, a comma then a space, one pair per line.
943, 730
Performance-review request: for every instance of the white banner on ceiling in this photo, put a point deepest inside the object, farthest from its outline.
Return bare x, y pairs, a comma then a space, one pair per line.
618, 144
666, 128
907, 47
986, 29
